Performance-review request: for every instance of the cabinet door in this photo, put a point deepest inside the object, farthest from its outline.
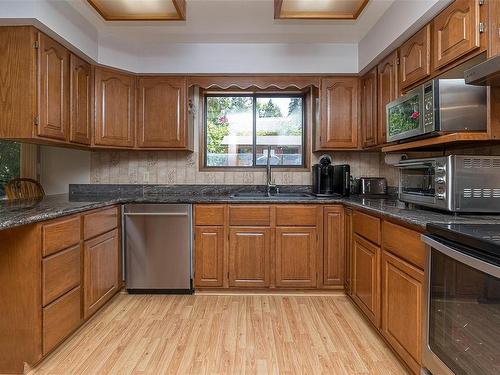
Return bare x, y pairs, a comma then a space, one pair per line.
80, 101
366, 292
494, 17
161, 110
348, 251
455, 32
249, 262
333, 246
415, 57
339, 113
387, 91
369, 109
114, 108
54, 89
100, 270
402, 286
209, 254
296, 257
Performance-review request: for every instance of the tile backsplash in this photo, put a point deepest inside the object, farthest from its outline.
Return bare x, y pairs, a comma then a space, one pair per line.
174, 167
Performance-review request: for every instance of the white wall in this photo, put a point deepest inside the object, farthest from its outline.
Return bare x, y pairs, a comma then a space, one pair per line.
60, 167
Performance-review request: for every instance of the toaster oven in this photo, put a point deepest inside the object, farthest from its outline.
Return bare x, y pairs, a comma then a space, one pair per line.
455, 183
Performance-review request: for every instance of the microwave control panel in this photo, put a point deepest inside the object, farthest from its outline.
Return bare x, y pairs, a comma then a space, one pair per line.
428, 106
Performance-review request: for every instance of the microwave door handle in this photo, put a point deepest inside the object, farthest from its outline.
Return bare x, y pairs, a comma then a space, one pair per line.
458, 256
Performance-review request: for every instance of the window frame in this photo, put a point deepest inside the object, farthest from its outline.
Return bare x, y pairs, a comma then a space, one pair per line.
254, 96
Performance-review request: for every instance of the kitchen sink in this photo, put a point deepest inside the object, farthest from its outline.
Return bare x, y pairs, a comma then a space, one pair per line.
258, 195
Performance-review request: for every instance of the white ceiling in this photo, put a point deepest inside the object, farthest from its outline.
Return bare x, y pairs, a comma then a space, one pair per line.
237, 21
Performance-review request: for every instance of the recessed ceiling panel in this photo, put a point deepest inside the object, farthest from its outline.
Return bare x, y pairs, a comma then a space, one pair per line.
140, 10
318, 9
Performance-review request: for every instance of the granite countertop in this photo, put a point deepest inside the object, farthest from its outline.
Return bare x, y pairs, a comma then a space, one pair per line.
87, 197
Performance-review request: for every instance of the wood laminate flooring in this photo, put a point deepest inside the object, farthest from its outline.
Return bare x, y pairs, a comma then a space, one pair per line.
224, 334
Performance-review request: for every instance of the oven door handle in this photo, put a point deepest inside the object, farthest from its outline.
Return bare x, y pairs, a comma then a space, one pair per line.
468, 260
413, 165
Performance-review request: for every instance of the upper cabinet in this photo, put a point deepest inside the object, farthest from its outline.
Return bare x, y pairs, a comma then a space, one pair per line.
114, 108
53, 70
339, 113
415, 58
80, 118
494, 17
387, 91
161, 112
369, 129
455, 32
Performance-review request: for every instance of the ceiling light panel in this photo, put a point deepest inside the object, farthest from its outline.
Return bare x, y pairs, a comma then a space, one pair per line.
140, 10
318, 9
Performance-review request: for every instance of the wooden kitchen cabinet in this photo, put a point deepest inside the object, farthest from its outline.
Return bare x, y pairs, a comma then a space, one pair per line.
114, 108
387, 91
348, 237
209, 256
366, 278
161, 112
54, 81
369, 130
296, 257
249, 257
338, 113
455, 32
101, 271
494, 28
80, 94
402, 293
334, 246
415, 61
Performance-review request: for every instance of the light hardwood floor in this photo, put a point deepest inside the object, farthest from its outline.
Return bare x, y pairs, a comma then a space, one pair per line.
226, 334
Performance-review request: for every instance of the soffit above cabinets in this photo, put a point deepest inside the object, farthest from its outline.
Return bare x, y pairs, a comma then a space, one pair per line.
318, 9
140, 10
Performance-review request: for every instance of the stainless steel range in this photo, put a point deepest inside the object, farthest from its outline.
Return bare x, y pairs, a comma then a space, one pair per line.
461, 309
454, 183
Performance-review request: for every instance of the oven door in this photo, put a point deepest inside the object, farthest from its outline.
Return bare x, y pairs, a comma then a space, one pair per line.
405, 116
461, 313
417, 183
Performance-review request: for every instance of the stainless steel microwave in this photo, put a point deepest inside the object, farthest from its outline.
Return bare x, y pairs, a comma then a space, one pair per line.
455, 183
440, 105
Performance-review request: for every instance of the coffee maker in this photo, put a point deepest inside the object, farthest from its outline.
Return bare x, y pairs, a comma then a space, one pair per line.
330, 180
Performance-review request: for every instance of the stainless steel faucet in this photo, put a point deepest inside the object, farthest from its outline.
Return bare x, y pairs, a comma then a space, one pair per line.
269, 184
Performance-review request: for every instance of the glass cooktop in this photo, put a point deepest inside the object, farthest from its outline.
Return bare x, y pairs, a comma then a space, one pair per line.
484, 238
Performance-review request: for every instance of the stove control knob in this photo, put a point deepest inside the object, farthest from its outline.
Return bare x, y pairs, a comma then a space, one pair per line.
441, 196
439, 180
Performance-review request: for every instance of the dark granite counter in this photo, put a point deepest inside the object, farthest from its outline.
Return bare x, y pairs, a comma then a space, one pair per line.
86, 197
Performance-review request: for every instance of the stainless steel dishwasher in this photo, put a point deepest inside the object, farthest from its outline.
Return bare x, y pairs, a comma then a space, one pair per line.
157, 248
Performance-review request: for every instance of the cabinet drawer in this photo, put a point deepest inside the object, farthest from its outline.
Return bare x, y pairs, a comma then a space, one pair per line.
250, 215
60, 234
296, 215
403, 242
366, 226
211, 215
60, 319
100, 222
60, 273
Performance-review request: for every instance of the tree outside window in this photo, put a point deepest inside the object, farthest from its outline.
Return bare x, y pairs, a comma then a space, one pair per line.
10, 162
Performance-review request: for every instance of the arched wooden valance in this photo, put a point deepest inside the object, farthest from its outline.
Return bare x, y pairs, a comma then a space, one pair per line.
251, 82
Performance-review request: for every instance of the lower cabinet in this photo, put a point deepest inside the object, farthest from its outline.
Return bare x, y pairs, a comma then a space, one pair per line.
402, 293
366, 277
61, 318
296, 257
333, 246
209, 256
101, 272
249, 257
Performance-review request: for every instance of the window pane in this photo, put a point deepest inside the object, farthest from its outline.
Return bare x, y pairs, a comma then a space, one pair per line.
10, 162
229, 131
279, 124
